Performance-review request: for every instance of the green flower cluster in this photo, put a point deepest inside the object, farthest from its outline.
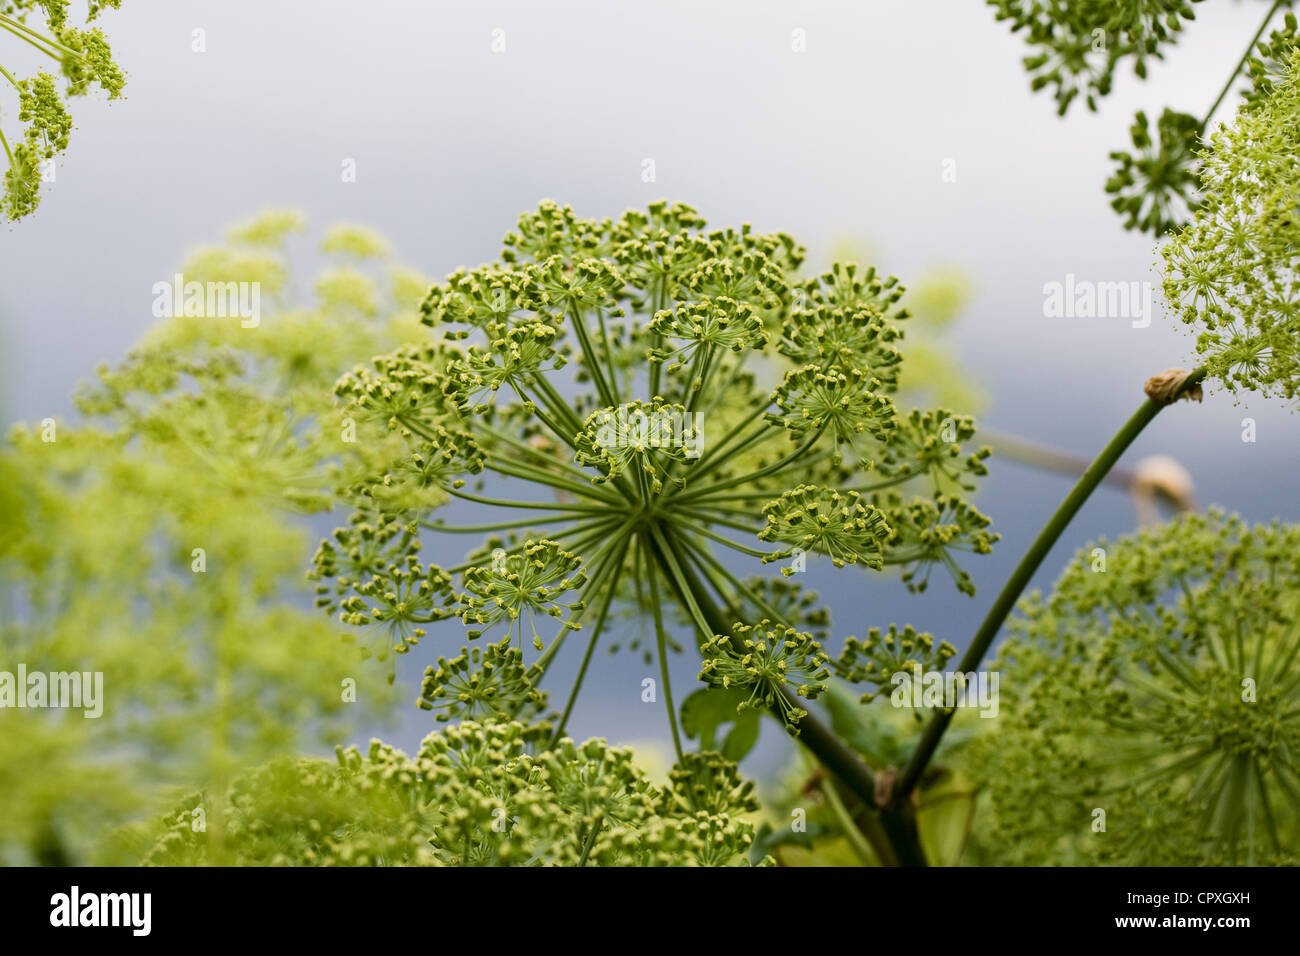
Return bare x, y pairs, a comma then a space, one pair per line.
1269, 65
521, 585
84, 60
821, 519
1231, 273
1157, 189
1078, 44
1148, 709
490, 682
611, 382
1156, 185
475, 794
876, 659
770, 662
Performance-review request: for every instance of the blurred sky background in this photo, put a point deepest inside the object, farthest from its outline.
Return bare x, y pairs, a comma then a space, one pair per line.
843, 142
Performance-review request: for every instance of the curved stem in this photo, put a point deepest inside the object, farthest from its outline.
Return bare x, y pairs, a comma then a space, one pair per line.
1019, 579
709, 513
667, 559
545, 419
707, 463
557, 402
5, 143
1242, 62
37, 40
599, 528
712, 566
609, 356
864, 851
700, 529
541, 457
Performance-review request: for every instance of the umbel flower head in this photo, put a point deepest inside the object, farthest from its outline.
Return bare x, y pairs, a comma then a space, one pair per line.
877, 658
821, 519
614, 395
1156, 189
490, 682
640, 438
1270, 63
770, 661
515, 587
1077, 45
1161, 691
1231, 273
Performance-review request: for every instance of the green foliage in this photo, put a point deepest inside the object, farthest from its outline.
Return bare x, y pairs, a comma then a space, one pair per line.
476, 794
1162, 691
84, 60
161, 543
1231, 272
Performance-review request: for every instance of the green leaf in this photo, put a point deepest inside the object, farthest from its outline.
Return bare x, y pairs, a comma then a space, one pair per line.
743, 735
705, 709
865, 728
769, 839
943, 820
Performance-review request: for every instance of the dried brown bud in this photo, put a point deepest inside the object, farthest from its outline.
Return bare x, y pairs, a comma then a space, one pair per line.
1167, 387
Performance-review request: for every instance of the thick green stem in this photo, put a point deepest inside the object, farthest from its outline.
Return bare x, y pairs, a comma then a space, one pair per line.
832, 752
1019, 579
855, 837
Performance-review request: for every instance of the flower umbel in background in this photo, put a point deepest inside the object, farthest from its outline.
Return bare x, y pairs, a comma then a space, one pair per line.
1161, 691
161, 543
